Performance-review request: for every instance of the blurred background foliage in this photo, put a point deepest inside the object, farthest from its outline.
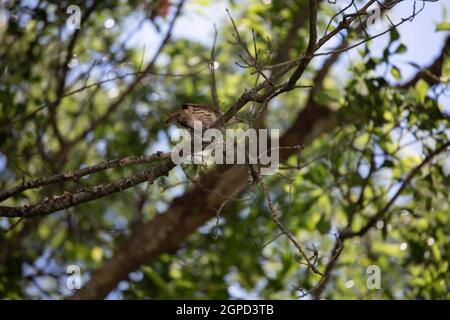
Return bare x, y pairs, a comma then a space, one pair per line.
48, 125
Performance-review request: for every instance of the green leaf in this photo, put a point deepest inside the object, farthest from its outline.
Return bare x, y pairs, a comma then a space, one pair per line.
385, 55
401, 49
388, 164
323, 226
97, 254
443, 26
446, 67
394, 35
396, 73
422, 90
58, 238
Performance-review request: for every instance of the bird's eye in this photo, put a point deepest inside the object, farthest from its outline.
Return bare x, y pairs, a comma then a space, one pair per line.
184, 106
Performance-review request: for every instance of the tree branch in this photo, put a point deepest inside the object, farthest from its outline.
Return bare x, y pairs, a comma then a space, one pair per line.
92, 193
345, 234
77, 174
277, 221
112, 107
433, 72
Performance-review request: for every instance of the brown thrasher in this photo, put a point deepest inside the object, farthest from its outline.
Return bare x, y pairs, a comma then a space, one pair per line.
191, 112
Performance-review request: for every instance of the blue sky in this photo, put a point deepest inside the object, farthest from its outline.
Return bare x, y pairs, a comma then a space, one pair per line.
419, 36
423, 43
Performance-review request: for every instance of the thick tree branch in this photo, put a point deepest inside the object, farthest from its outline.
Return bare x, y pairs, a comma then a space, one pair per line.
77, 174
309, 50
433, 72
298, 21
167, 231
92, 193
190, 211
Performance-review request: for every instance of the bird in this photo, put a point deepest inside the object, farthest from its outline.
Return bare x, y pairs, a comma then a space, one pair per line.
191, 112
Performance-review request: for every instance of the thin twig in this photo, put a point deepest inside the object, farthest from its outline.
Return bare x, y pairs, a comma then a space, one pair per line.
212, 68
276, 219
